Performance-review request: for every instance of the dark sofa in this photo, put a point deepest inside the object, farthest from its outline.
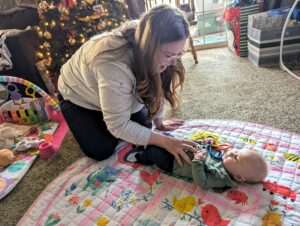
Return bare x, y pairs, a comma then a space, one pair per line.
22, 45
19, 19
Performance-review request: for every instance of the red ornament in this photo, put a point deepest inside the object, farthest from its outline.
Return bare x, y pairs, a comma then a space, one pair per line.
68, 3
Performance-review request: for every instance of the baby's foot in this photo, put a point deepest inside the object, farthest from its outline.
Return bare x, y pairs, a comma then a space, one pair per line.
135, 155
141, 158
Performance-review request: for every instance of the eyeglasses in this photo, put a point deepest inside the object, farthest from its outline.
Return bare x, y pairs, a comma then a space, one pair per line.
170, 57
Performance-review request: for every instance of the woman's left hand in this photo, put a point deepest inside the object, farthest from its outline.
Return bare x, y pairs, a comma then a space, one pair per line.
167, 125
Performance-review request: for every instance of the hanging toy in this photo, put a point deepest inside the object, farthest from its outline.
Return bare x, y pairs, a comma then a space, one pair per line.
14, 94
39, 105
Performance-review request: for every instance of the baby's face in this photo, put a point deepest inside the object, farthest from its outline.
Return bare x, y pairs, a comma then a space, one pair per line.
237, 161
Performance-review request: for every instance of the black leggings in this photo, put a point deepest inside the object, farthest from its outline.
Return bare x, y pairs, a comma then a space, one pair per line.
90, 131
155, 155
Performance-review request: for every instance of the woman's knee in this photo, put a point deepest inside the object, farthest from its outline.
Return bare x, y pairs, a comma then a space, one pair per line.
100, 152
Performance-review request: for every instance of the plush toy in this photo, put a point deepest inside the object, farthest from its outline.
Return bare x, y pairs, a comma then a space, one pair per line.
29, 143
7, 136
10, 131
7, 157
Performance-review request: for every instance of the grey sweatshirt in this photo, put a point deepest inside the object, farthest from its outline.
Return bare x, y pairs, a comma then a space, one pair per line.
103, 81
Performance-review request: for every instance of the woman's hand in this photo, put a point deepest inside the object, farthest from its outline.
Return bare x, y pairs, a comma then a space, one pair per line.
178, 147
167, 125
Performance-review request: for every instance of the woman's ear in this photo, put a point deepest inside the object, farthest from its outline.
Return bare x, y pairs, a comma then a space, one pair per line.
239, 178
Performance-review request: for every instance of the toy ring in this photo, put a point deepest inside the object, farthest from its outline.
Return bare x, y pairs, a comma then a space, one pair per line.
217, 155
218, 151
224, 147
30, 92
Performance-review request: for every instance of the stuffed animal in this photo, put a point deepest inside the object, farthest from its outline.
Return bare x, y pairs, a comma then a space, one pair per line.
7, 157
29, 143
10, 131
7, 136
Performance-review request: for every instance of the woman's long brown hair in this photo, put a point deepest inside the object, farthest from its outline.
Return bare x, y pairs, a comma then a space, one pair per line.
161, 24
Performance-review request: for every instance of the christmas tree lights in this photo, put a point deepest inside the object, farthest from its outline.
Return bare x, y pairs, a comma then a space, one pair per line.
66, 24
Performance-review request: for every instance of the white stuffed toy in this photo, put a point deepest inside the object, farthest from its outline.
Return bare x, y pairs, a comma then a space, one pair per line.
29, 143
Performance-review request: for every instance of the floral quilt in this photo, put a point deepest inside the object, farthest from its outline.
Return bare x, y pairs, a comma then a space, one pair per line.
116, 192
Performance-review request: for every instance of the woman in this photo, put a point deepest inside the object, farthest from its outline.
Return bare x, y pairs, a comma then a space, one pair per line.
115, 85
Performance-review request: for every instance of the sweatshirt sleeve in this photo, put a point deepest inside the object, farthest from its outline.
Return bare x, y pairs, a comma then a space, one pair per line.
206, 179
198, 173
116, 85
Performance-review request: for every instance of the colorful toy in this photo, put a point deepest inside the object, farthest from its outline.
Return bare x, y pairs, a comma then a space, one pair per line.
200, 137
29, 111
26, 107
215, 149
35, 107
222, 147
7, 157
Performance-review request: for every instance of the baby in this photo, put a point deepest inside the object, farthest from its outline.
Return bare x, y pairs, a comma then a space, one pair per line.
207, 171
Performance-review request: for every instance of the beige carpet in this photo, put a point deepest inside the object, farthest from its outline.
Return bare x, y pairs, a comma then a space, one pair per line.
221, 86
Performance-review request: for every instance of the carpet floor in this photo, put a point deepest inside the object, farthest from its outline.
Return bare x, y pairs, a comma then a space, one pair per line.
221, 86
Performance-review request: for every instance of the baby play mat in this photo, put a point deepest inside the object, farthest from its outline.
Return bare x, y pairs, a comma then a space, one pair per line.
31, 123
114, 192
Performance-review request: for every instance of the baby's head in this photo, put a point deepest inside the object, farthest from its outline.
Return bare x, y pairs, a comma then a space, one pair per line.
245, 165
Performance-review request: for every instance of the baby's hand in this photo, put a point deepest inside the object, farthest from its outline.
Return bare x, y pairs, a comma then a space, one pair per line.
200, 155
209, 141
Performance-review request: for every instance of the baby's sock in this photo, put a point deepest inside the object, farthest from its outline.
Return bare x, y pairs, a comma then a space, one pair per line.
141, 156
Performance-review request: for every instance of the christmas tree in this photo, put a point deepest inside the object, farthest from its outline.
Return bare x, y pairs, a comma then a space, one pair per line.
66, 24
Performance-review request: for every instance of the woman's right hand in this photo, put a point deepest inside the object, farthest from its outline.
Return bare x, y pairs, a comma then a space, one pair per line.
176, 146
